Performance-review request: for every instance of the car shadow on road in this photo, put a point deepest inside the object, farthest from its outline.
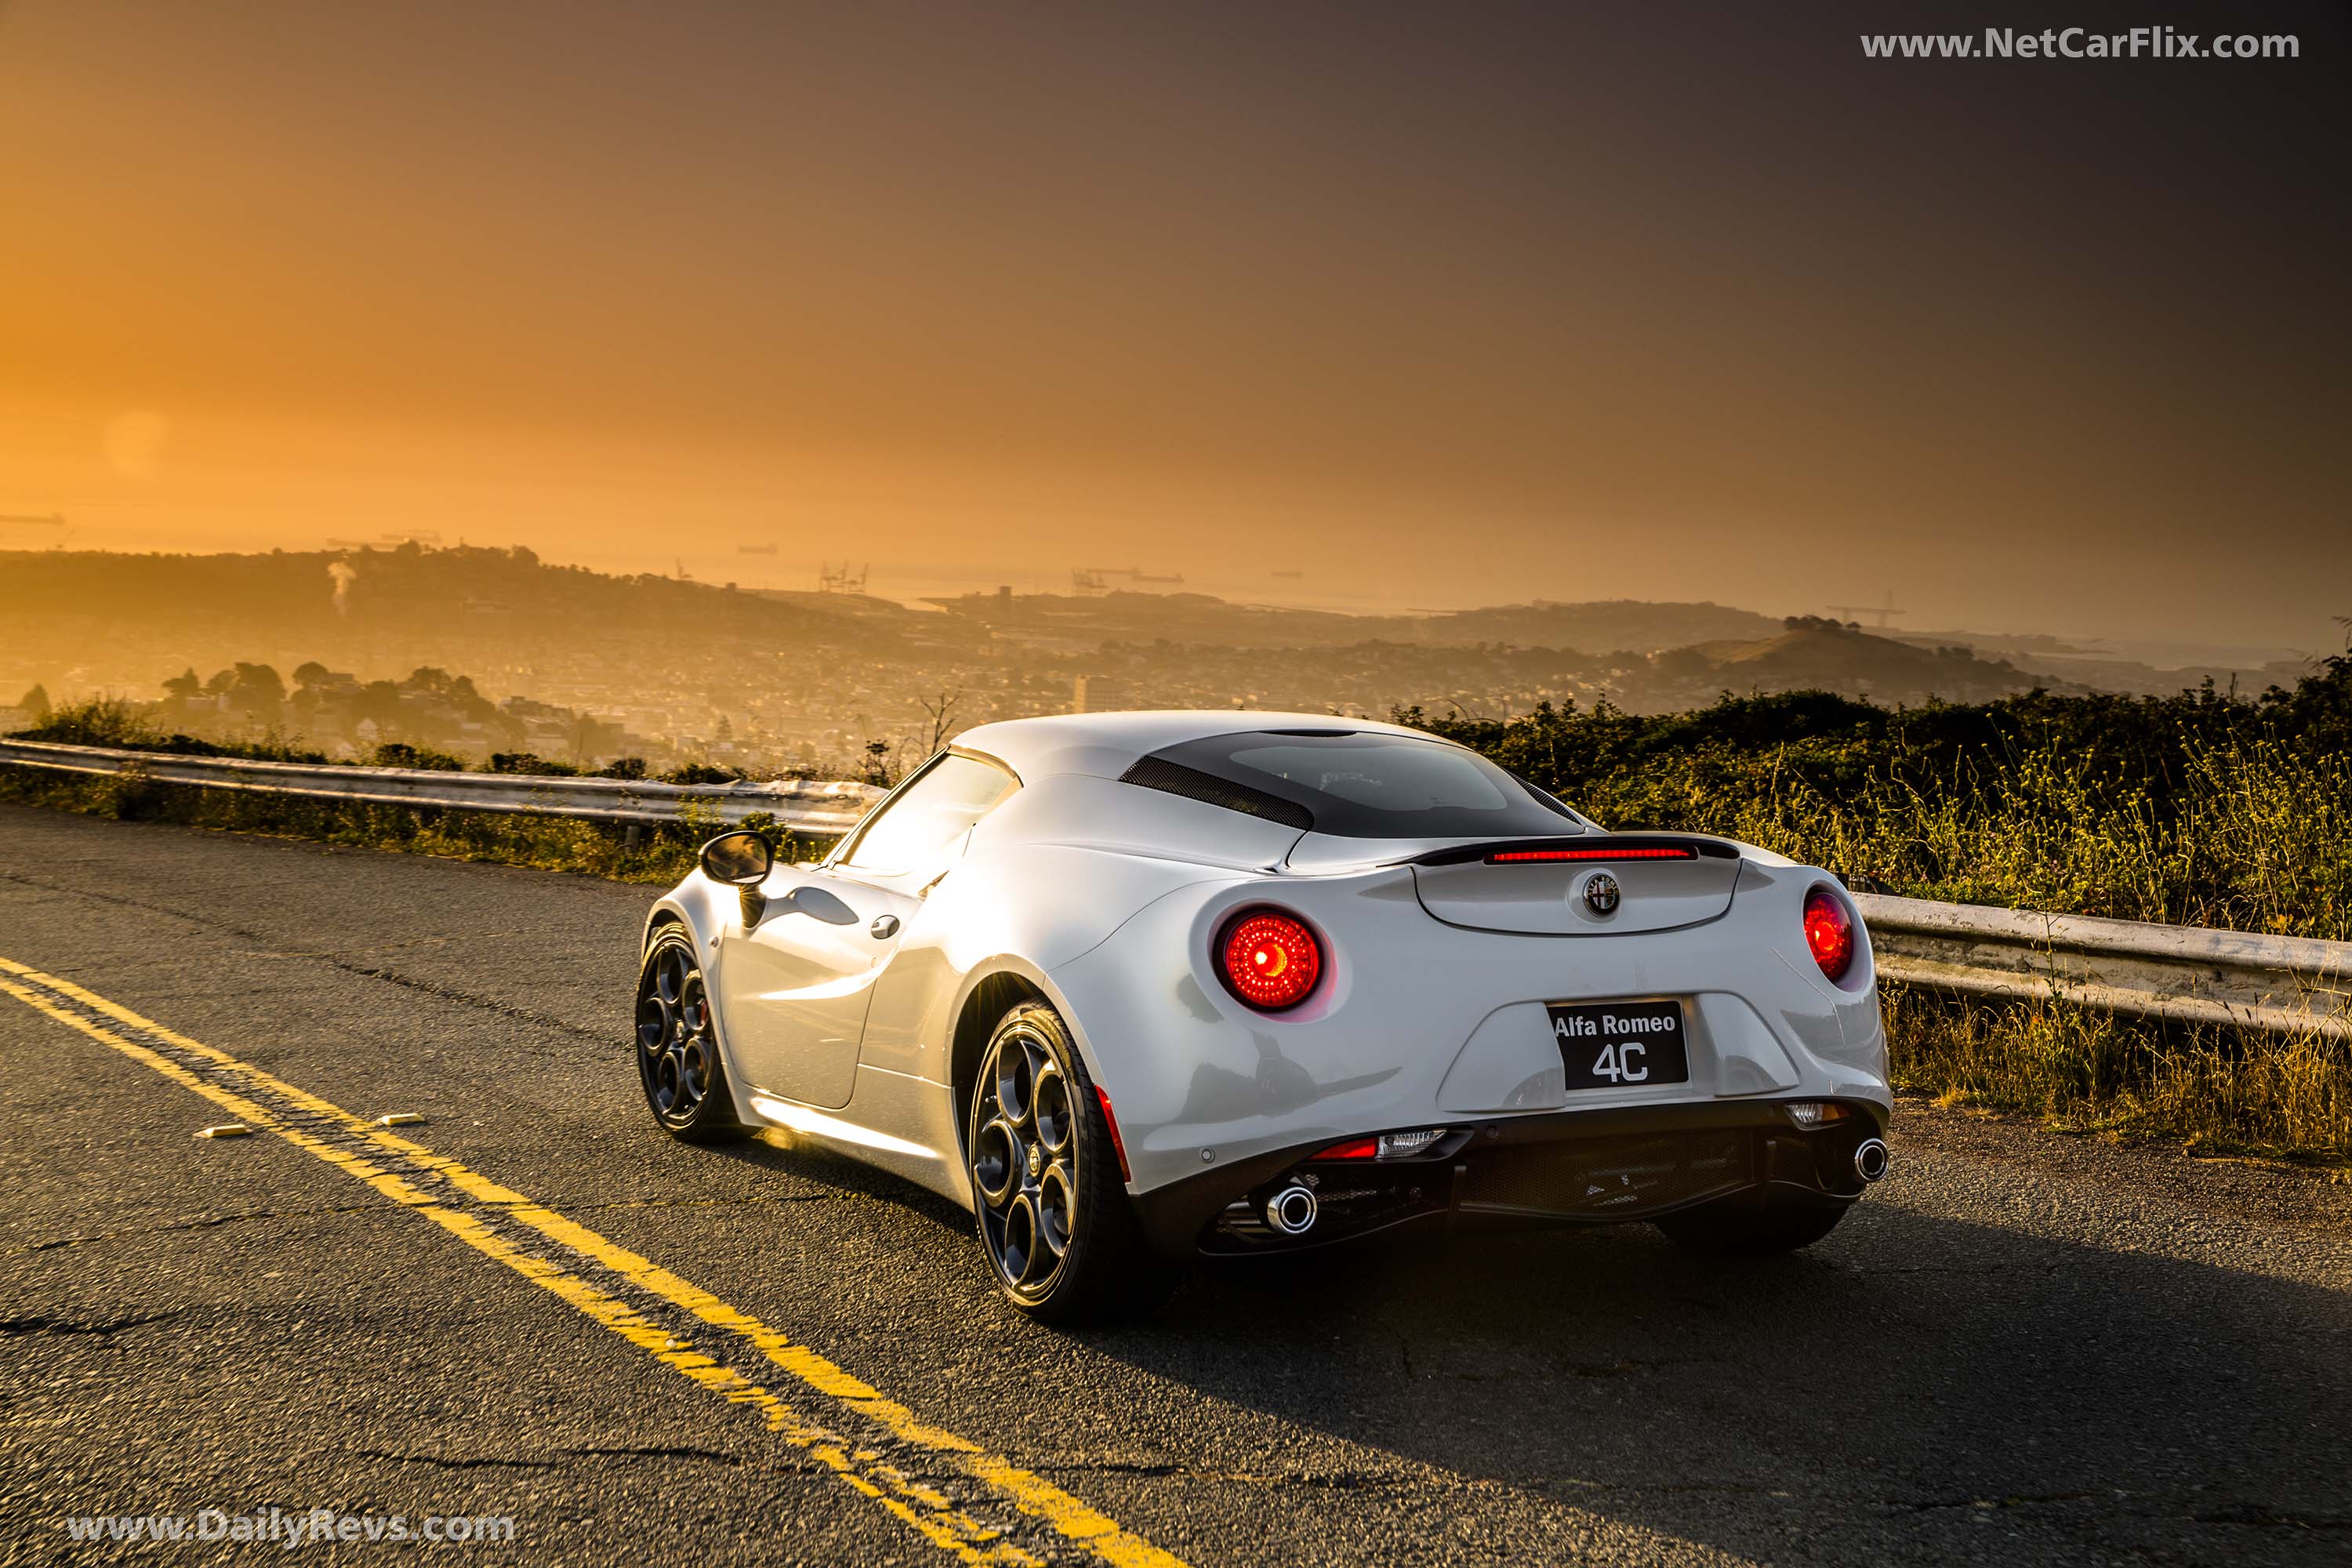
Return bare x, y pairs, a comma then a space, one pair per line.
807, 1161
1919, 1370
1912, 1382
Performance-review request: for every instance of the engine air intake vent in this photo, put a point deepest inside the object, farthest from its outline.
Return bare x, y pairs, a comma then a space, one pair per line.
1175, 778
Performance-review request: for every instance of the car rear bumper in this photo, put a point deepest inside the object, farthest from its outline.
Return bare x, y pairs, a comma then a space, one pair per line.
1416, 1023
1579, 1167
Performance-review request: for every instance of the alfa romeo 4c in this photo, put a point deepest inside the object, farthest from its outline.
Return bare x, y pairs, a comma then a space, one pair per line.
1138, 987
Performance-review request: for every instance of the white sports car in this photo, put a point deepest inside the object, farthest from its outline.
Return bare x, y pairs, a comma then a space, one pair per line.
1134, 987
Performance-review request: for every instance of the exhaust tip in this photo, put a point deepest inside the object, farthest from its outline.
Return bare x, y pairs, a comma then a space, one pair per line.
1292, 1210
1870, 1159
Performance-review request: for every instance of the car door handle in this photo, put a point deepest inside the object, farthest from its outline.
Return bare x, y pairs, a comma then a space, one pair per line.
885, 926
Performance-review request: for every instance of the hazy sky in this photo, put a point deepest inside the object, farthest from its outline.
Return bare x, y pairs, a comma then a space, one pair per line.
1436, 304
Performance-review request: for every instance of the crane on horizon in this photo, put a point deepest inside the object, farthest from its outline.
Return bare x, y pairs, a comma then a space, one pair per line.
1882, 610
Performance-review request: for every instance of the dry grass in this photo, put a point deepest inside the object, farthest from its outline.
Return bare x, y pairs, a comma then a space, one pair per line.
2279, 1096
2255, 836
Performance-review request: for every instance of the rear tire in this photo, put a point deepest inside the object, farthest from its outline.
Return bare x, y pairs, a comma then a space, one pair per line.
678, 1063
1060, 1238
1731, 1227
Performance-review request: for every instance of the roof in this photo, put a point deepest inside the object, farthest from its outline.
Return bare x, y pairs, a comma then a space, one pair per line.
1105, 745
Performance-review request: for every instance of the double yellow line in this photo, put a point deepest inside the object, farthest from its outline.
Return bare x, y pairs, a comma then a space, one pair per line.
1002, 1506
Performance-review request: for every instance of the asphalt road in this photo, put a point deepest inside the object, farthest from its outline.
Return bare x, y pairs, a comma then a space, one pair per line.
2023, 1347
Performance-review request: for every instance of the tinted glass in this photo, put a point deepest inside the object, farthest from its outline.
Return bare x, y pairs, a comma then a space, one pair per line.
917, 829
1379, 786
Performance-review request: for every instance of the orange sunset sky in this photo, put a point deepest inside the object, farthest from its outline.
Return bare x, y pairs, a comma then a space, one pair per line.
1436, 305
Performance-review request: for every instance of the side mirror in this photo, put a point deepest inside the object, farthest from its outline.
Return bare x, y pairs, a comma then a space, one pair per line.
740, 858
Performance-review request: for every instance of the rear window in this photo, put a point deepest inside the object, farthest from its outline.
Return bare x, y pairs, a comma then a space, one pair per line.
1357, 785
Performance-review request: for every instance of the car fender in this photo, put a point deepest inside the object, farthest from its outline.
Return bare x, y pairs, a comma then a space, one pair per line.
708, 909
1023, 911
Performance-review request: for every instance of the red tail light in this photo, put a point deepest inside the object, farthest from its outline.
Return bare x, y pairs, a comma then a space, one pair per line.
1270, 959
1354, 1149
1829, 932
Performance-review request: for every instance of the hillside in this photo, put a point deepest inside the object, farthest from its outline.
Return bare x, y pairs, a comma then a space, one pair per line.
96, 620
1604, 626
773, 679
1817, 657
1601, 627
1075, 621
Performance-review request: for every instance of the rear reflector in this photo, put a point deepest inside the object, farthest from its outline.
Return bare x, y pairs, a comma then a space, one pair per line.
1111, 1125
1640, 852
1353, 1149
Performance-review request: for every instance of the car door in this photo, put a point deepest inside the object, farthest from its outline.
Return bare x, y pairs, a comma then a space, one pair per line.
799, 981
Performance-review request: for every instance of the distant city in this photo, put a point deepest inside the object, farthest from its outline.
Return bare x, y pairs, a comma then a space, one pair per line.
481, 651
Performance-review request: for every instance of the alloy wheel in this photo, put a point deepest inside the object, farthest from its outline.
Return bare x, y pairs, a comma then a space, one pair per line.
676, 1052
1025, 1160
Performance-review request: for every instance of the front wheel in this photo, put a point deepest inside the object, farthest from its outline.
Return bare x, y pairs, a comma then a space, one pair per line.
1731, 1227
678, 1045
1061, 1240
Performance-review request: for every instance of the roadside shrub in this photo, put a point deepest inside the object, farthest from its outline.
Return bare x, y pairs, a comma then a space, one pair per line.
701, 774
529, 763
100, 721
401, 754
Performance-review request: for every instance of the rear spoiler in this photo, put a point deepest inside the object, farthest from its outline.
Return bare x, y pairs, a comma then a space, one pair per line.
1582, 847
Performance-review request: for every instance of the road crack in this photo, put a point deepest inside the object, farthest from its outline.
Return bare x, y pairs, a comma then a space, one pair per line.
504, 1462
102, 1328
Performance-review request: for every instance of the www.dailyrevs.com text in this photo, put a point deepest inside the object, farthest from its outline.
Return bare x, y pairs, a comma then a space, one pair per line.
311, 1527
2082, 44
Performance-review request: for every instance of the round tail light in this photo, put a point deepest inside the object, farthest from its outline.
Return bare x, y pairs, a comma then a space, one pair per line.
1270, 959
1829, 932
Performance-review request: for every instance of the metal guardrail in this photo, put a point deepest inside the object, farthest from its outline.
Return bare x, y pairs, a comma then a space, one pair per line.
806, 805
2239, 979
2193, 973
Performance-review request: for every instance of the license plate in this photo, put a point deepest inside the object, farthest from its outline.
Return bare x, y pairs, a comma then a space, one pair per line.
1620, 1044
